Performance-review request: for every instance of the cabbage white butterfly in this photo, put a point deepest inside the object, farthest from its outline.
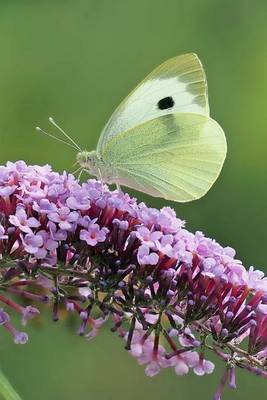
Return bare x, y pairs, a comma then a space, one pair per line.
161, 140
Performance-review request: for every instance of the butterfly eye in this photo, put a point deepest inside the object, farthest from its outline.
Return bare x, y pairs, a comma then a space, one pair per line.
165, 103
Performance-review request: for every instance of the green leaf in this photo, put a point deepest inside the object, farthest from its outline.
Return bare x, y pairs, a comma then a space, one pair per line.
6, 390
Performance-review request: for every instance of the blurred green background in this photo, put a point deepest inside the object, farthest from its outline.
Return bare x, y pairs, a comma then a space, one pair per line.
76, 60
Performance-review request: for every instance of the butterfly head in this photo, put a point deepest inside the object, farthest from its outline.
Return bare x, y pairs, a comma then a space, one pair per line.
88, 160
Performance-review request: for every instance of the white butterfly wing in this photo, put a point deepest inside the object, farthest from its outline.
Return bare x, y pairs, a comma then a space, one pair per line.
176, 86
177, 157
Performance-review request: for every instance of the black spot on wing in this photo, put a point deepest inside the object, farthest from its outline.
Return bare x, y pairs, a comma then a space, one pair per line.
166, 103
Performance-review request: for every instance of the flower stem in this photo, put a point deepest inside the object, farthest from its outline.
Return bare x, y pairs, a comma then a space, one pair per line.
6, 390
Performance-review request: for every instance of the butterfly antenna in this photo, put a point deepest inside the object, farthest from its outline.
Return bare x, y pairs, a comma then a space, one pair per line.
54, 137
53, 122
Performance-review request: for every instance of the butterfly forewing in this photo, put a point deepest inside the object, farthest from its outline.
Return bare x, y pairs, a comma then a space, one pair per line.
177, 85
176, 156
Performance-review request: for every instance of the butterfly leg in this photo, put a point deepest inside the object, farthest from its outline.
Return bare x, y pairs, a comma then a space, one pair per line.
80, 174
99, 176
76, 170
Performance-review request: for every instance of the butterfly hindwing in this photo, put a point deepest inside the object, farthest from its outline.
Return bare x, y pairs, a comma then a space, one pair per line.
176, 156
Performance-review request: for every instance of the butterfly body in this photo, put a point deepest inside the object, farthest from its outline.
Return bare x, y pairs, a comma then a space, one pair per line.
92, 162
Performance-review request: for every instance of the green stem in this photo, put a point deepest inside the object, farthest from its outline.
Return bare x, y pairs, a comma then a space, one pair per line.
6, 390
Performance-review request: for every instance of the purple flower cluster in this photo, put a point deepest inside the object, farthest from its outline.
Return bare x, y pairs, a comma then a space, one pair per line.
172, 295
